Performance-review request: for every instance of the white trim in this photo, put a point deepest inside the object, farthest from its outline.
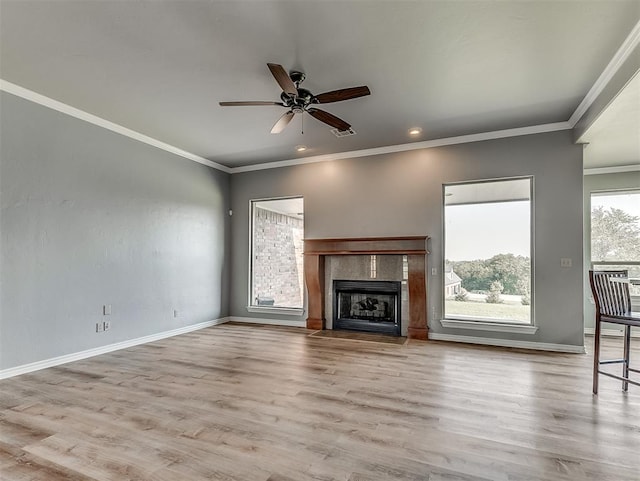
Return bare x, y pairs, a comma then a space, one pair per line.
96, 351
280, 311
618, 59
267, 309
590, 331
427, 144
271, 322
489, 326
106, 124
630, 43
612, 170
538, 346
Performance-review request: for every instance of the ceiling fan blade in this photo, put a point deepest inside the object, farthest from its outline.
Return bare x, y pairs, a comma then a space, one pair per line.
249, 103
282, 122
342, 94
329, 119
283, 79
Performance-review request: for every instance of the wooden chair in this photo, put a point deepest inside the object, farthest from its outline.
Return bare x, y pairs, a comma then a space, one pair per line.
613, 304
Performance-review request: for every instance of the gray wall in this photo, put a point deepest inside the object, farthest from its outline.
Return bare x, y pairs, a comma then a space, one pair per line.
90, 217
599, 183
401, 194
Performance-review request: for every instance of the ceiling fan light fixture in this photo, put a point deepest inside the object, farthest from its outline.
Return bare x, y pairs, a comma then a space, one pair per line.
413, 131
301, 148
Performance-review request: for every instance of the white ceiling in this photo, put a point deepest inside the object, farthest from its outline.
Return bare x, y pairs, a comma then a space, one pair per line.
487, 192
451, 68
292, 206
614, 137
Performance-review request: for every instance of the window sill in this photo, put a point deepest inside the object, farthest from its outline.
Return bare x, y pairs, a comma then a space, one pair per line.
281, 311
489, 326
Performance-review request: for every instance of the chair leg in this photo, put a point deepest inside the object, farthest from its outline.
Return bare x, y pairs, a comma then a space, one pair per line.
627, 354
596, 355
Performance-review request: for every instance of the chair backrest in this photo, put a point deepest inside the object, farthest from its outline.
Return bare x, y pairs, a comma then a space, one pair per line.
611, 296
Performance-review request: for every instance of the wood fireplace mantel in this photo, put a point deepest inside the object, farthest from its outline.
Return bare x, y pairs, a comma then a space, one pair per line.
415, 248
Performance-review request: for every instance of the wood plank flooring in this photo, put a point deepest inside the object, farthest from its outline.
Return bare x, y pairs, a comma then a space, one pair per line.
265, 403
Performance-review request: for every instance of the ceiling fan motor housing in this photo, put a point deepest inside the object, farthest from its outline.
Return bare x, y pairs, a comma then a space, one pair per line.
302, 100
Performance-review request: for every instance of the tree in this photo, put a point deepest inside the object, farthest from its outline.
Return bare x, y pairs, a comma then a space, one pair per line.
511, 271
494, 293
615, 235
524, 289
475, 275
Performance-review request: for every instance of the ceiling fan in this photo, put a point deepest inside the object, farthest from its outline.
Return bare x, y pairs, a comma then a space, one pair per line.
298, 100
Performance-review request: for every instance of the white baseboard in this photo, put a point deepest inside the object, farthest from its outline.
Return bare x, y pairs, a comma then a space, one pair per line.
489, 326
272, 322
538, 346
590, 331
76, 356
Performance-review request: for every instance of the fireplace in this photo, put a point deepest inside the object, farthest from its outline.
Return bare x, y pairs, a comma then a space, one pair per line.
414, 248
372, 306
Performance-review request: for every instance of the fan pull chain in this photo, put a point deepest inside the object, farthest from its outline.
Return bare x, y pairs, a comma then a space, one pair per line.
302, 124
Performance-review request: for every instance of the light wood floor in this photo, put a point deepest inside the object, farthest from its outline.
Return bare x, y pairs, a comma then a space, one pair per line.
240, 402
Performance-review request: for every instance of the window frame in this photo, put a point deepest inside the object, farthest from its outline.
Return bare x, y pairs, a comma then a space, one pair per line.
484, 323
251, 307
635, 299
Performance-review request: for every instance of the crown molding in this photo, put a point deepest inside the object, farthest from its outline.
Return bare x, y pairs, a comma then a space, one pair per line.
37, 98
621, 55
630, 43
93, 119
612, 170
427, 144
627, 47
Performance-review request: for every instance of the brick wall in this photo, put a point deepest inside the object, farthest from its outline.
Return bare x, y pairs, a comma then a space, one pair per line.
277, 258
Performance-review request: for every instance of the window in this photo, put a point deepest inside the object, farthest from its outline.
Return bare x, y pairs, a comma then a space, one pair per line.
487, 269
277, 233
615, 234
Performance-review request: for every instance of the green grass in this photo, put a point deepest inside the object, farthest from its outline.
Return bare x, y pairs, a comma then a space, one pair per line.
516, 312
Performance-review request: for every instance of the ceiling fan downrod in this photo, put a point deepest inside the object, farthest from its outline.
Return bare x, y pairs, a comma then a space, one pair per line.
297, 77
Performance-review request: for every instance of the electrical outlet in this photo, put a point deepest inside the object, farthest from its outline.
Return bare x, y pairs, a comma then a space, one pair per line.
99, 327
565, 262
106, 310
434, 271
106, 325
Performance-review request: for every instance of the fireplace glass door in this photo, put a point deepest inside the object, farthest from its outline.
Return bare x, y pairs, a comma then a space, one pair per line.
371, 306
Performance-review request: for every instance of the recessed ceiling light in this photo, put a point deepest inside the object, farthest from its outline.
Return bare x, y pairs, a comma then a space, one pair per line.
301, 148
415, 131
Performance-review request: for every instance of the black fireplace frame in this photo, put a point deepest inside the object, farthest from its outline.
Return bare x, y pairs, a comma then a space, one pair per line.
363, 287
